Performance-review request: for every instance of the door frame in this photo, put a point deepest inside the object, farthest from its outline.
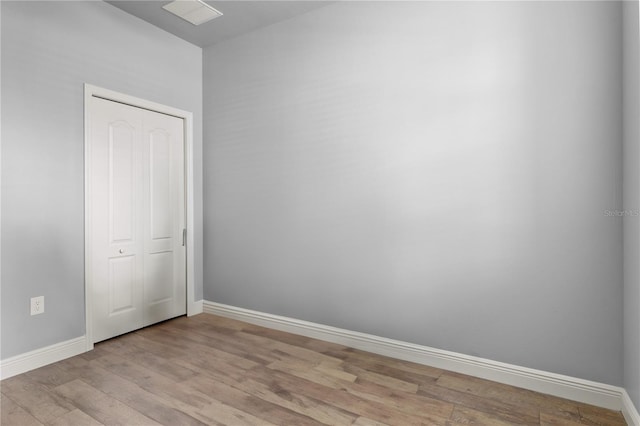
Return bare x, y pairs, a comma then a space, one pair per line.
99, 92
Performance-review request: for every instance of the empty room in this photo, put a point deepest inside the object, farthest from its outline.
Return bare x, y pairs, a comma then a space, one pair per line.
320, 212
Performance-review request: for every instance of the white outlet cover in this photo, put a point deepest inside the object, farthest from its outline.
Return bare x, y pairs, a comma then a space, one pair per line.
37, 305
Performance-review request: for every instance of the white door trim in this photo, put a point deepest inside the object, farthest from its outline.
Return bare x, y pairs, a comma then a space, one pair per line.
89, 92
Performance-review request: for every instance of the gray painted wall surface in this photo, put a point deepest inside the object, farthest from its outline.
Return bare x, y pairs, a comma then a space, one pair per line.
433, 172
631, 184
49, 49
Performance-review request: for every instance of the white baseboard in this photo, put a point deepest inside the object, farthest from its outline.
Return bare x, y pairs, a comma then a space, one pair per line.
40, 357
629, 410
572, 388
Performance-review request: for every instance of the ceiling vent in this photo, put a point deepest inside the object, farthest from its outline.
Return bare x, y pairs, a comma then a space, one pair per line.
195, 11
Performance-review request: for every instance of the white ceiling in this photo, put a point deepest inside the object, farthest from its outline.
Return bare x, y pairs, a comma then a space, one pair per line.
239, 17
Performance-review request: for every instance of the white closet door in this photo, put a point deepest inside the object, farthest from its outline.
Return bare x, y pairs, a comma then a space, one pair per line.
164, 218
137, 217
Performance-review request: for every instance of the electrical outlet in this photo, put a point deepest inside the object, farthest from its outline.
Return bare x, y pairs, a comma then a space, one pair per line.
37, 305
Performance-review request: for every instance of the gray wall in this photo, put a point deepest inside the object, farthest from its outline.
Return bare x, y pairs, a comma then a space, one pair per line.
434, 172
49, 49
631, 183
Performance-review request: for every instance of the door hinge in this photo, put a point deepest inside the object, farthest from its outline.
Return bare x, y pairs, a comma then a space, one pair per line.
184, 236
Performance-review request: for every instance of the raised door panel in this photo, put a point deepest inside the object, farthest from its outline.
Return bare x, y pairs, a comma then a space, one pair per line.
122, 138
160, 278
160, 213
122, 285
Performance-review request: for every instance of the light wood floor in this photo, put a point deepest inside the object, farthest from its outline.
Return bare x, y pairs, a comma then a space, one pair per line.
210, 370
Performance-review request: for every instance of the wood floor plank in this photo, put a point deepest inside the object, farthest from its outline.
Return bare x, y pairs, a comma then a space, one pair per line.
214, 368
288, 349
153, 382
596, 416
227, 342
171, 395
250, 404
159, 364
176, 394
468, 416
405, 402
75, 418
223, 414
337, 371
415, 376
143, 338
100, 348
298, 402
199, 348
371, 360
509, 394
216, 321
36, 399
547, 419
380, 379
552, 414
357, 399
510, 412
217, 371
13, 414
307, 371
105, 409
323, 347
50, 376
276, 335
129, 393
363, 421
75, 362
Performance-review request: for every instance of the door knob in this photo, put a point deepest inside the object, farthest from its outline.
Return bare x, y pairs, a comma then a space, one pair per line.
121, 251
